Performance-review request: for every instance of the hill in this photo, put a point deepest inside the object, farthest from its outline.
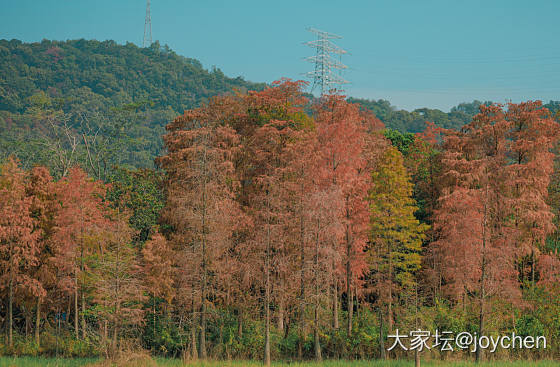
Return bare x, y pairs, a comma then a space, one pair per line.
414, 121
94, 91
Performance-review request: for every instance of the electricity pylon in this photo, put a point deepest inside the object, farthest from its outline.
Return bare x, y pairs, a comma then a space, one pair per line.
324, 76
147, 42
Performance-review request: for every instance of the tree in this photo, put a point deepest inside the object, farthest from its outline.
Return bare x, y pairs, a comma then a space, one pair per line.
118, 288
396, 235
18, 238
269, 206
531, 134
142, 192
274, 179
324, 235
81, 216
41, 189
348, 146
200, 186
158, 271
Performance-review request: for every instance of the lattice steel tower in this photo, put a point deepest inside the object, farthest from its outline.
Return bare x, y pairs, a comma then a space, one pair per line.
147, 42
324, 75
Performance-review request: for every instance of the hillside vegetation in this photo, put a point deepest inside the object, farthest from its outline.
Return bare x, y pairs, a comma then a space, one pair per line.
97, 91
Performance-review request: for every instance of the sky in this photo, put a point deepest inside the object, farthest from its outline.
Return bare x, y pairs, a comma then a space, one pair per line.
413, 53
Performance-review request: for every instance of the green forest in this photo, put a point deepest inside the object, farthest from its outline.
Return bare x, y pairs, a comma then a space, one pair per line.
152, 211
116, 98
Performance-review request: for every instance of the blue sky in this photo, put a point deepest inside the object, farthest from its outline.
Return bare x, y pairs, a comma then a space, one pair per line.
414, 53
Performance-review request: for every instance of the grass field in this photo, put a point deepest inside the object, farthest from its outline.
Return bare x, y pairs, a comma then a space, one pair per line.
52, 362
44, 362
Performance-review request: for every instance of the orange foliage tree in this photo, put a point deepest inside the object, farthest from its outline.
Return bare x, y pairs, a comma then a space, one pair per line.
19, 238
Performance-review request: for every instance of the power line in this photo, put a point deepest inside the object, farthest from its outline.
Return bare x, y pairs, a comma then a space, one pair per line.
147, 42
324, 76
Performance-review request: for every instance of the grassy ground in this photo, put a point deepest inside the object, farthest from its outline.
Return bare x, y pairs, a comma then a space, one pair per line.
146, 362
44, 362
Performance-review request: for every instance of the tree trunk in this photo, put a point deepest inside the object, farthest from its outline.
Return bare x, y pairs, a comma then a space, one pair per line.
390, 298
350, 301
10, 312
532, 267
522, 269
26, 316
202, 351
153, 317
38, 322
221, 334
115, 340
83, 316
280, 320
240, 324
317, 345
287, 327
76, 308
267, 294
105, 331
194, 353
335, 305
381, 340
479, 355
302, 287
267, 311
117, 315
357, 303
68, 310
11, 299
416, 352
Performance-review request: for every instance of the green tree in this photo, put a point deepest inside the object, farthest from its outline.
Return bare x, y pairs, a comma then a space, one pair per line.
141, 192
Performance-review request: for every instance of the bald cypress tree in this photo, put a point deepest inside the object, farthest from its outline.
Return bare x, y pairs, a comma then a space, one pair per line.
396, 235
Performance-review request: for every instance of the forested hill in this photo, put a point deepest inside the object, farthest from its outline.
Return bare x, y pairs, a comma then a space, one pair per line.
84, 84
415, 121
118, 73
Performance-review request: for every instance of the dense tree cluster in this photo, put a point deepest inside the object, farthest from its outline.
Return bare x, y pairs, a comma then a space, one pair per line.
67, 252
281, 227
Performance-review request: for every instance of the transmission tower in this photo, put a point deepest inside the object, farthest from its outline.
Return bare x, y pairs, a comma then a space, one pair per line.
324, 76
147, 42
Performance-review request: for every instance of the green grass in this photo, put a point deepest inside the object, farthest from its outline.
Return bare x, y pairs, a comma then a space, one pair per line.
60, 362
44, 362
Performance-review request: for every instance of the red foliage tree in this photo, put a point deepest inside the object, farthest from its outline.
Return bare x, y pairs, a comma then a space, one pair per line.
200, 186
80, 217
531, 134
158, 270
40, 188
19, 239
347, 147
